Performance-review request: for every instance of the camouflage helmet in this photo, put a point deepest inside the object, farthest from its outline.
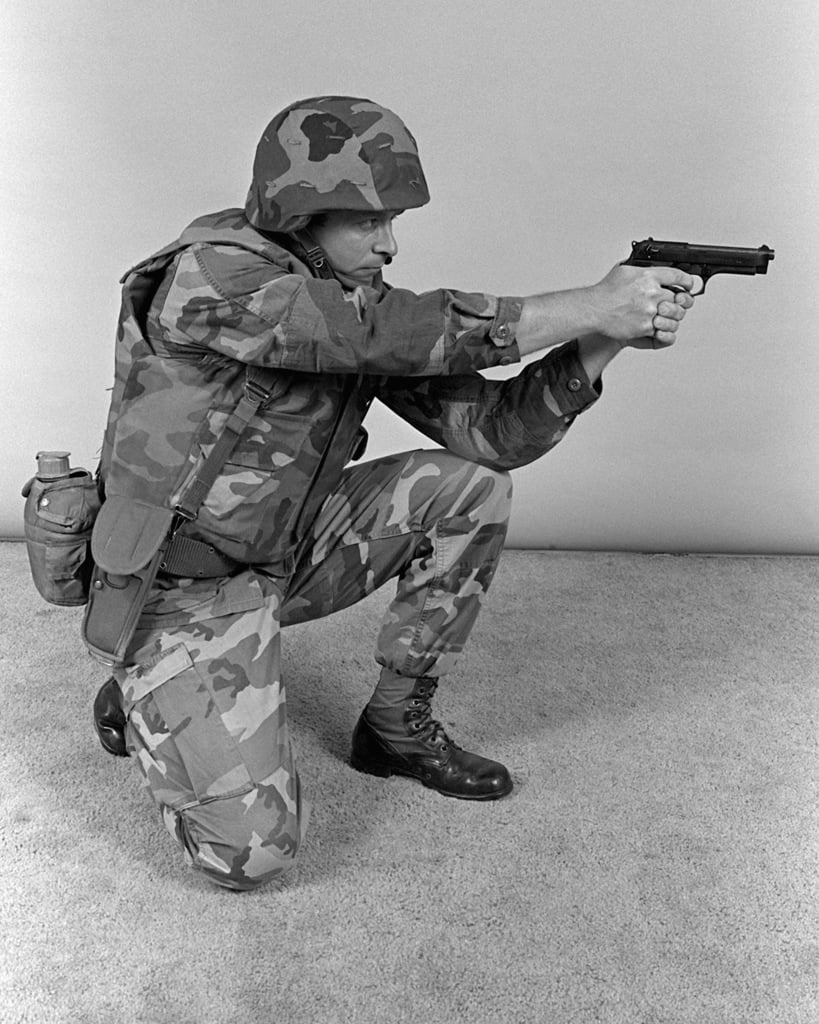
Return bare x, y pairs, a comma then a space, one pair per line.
333, 153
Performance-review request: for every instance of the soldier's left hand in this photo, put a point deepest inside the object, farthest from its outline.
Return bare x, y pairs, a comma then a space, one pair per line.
669, 316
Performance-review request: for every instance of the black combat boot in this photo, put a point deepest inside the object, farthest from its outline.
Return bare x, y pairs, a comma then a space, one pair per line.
426, 753
109, 719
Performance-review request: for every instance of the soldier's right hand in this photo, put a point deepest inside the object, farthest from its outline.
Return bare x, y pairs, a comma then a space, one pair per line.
635, 303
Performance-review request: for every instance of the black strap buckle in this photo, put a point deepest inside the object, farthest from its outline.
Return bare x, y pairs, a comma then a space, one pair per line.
316, 257
256, 392
313, 253
183, 513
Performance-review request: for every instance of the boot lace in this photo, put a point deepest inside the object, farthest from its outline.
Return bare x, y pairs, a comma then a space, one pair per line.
419, 716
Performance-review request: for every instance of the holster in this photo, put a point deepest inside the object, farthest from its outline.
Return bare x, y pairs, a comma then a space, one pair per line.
128, 544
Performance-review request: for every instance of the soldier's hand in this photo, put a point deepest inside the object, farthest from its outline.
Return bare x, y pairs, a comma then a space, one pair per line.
668, 318
642, 307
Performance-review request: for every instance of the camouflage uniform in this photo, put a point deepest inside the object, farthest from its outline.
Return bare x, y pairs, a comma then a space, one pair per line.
202, 686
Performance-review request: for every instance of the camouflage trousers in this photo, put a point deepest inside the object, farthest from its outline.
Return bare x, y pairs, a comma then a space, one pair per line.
202, 691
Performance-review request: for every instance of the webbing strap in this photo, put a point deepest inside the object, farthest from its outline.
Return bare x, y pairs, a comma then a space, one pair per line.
312, 254
257, 392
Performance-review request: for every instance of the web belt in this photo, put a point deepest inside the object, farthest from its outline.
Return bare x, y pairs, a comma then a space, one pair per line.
193, 558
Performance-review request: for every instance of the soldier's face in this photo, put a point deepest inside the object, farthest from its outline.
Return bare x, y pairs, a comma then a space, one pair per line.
357, 244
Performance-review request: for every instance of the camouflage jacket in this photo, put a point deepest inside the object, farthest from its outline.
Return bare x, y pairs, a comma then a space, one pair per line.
224, 297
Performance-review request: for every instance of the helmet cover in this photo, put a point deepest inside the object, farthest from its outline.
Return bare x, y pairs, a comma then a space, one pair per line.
333, 153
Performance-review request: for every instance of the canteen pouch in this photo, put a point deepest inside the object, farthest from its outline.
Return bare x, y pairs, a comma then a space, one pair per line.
127, 545
57, 519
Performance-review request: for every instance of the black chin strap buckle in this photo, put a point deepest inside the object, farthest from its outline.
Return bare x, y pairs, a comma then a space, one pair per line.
316, 257
314, 254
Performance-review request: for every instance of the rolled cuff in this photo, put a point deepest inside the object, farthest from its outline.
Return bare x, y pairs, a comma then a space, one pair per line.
504, 329
572, 388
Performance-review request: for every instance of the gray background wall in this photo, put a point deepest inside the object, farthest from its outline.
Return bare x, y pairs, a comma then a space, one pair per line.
552, 135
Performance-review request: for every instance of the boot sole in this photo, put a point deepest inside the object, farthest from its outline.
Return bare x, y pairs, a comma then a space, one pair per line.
384, 771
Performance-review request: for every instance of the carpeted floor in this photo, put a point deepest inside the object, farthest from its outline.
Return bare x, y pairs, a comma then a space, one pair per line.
656, 863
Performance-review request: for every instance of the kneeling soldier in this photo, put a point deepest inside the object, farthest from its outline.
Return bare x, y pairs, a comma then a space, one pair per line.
289, 291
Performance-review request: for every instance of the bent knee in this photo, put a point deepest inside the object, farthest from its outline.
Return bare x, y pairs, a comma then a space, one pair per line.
492, 492
245, 870
502, 482
247, 862
238, 851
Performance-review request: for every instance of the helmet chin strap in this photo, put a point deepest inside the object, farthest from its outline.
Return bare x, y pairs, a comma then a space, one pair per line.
314, 255
308, 250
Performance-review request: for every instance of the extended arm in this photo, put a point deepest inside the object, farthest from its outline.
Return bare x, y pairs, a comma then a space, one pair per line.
505, 424
631, 307
248, 309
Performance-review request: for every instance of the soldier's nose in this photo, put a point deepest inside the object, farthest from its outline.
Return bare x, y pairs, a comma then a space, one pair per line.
386, 242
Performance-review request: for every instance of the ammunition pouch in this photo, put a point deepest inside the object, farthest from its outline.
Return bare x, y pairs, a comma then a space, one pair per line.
58, 517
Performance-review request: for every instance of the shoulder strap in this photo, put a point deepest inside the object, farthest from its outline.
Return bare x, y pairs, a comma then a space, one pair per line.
257, 390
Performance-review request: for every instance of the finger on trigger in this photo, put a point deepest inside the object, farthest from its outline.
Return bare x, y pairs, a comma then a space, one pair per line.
685, 281
673, 279
691, 283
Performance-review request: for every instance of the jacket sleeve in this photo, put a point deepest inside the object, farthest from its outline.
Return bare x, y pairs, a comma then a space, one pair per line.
229, 301
501, 424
